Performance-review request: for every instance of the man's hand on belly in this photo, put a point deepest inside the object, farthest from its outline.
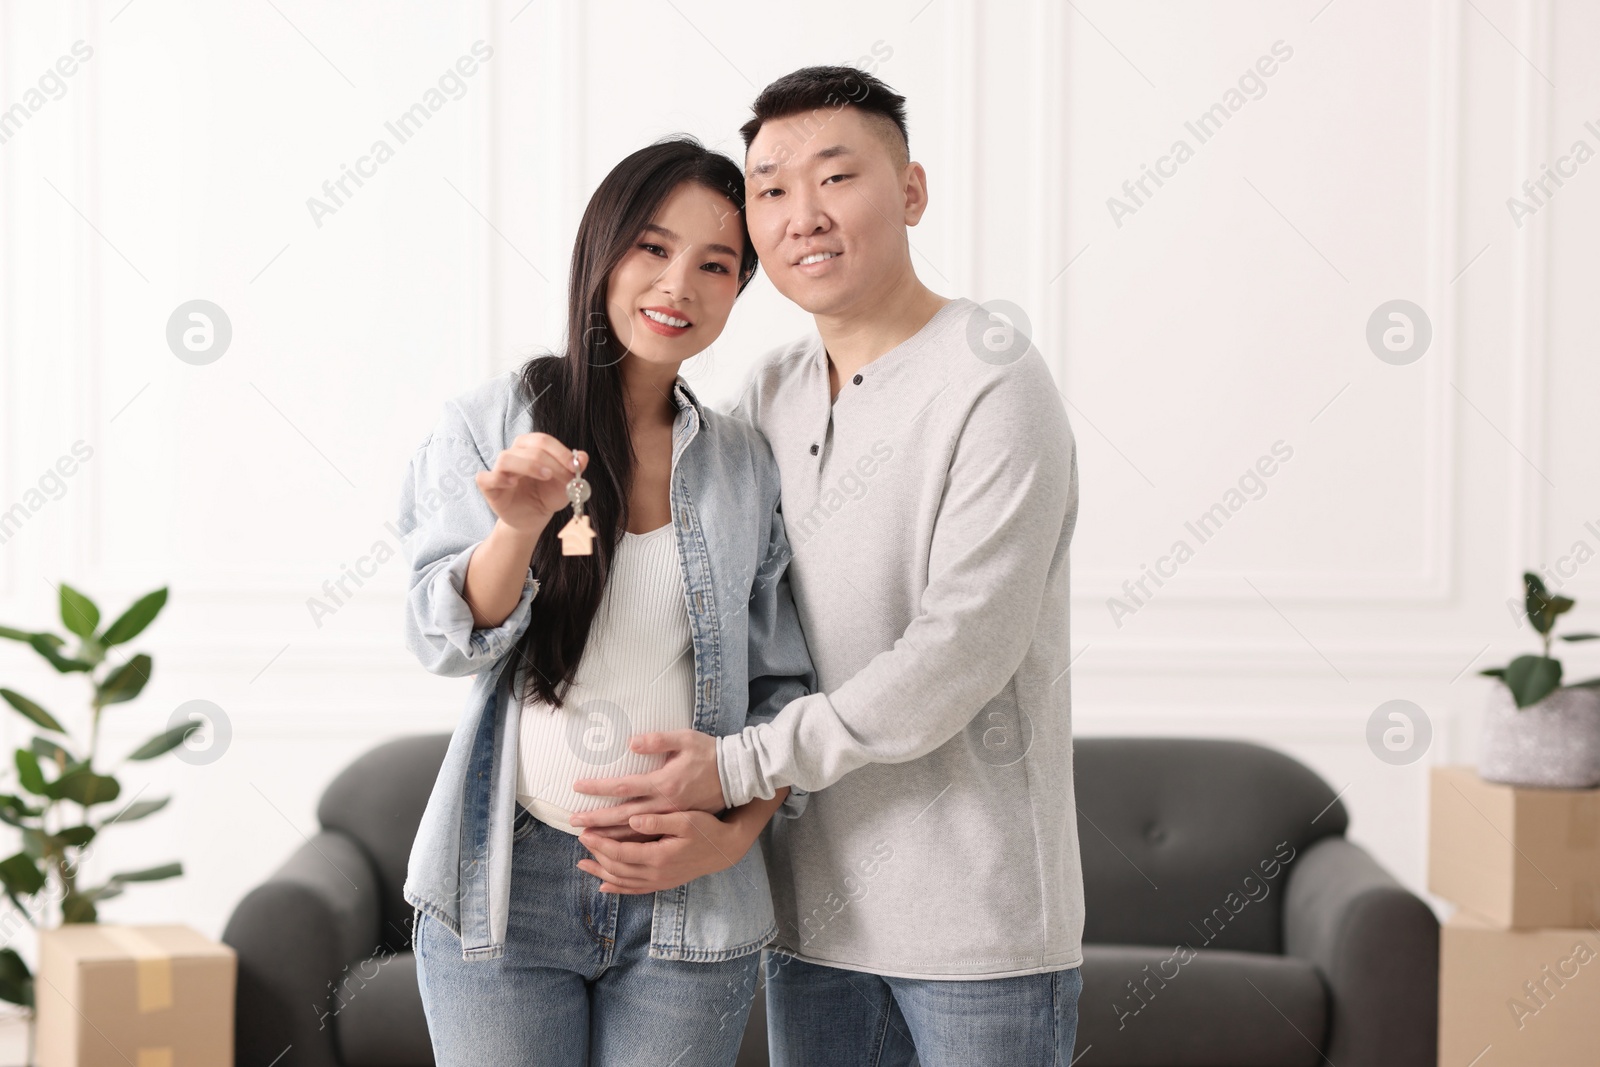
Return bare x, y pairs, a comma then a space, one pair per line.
687, 781
691, 844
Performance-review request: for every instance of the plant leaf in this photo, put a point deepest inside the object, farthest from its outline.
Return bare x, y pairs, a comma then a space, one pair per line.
1495, 672
133, 621
32, 711
1580, 637
15, 635
76, 836
166, 741
13, 809
1535, 598
49, 646
16, 983
78, 613
125, 682
150, 874
1532, 678
30, 774
77, 908
85, 787
104, 892
137, 810
45, 748
20, 875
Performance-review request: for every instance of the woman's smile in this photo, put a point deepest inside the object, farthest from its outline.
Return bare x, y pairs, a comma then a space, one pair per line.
664, 321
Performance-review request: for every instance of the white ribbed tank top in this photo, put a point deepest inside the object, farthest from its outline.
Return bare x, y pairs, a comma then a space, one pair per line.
636, 676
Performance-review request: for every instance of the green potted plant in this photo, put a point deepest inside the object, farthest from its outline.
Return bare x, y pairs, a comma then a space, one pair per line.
54, 771
1539, 732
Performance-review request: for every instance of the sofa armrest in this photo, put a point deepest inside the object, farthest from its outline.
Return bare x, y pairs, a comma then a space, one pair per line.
295, 935
1376, 945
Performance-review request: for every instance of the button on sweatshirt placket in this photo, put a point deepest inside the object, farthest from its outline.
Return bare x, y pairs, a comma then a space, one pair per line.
865, 573
843, 419
821, 444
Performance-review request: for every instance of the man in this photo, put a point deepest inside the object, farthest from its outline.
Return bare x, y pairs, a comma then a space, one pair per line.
930, 898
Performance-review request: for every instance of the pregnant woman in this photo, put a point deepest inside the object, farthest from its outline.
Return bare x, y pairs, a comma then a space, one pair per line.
657, 602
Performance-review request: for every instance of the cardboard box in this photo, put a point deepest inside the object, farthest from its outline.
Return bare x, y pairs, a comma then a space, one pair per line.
1517, 998
1524, 858
133, 996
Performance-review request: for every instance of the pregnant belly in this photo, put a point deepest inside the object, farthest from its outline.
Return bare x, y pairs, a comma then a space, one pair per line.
586, 740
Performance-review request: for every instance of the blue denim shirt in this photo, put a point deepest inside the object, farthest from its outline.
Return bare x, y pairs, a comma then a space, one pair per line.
750, 659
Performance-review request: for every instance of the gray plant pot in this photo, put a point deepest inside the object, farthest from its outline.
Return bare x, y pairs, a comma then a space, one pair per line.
1554, 744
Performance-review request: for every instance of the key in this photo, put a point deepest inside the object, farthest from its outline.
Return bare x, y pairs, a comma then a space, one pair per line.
577, 536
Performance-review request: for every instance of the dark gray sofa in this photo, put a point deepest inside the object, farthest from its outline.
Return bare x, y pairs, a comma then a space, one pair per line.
1229, 921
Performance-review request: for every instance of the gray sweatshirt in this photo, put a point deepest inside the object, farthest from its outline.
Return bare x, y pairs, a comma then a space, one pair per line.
929, 510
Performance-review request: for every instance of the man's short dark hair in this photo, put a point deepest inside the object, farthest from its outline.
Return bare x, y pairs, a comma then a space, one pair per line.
821, 91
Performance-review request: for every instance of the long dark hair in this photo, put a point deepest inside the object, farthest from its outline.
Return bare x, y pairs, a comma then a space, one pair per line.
576, 397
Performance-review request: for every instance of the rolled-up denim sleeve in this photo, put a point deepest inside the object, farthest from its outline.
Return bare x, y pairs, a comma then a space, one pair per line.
445, 518
780, 663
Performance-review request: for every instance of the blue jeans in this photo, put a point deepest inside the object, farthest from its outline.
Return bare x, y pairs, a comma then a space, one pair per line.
576, 984
826, 1015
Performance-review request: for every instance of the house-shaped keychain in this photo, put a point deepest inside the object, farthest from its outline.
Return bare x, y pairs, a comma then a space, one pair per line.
577, 537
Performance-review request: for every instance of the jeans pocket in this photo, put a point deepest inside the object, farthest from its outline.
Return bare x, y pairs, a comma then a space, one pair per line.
522, 825
1072, 983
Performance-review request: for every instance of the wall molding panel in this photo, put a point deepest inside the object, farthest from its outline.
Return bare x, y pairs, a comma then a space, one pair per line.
417, 288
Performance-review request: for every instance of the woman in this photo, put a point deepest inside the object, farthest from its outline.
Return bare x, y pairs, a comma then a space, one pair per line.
528, 951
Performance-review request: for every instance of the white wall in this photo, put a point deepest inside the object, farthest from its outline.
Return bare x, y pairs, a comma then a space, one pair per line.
1226, 313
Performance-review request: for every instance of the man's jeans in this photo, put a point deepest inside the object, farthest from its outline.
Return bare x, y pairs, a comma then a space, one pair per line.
576, 984
825, 1015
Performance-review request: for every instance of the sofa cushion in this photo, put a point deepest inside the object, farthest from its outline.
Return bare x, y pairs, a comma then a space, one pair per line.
1191, 841
378, 800
1161, 1007
376, 1011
